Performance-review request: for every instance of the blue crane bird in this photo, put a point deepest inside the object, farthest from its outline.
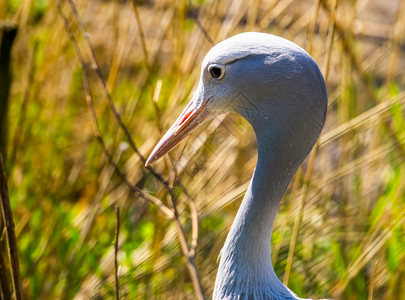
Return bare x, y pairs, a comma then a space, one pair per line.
278, 88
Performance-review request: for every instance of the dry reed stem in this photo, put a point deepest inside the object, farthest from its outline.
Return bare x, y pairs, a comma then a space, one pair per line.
276, 249
351, 167
172, 213
194, 215
189, 252
99, 138
367, 117
397, 35
141, 35
362, 128
5, 292
96, 69
298, 218
10, 234
369, 83
116, 248
8, 32
90, 217
119, 52
308, 174
22, 116
331, 36
200, 26
372, 281
367, 254
312, 25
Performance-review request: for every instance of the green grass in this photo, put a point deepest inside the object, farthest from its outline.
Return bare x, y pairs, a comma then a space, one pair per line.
63, 190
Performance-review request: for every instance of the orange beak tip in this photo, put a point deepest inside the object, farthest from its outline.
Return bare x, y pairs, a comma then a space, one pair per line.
189, 119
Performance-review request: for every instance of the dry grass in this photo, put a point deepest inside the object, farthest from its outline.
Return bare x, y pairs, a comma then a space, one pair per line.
347, 208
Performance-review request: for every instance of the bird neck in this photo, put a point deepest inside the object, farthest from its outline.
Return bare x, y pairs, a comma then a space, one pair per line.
245, 264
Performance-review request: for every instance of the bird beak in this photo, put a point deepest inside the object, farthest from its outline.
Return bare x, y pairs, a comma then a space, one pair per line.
192, 117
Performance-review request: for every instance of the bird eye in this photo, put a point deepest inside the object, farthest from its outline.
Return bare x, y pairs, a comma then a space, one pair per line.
216, 71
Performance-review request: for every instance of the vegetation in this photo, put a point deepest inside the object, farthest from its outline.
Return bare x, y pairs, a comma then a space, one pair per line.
96, 83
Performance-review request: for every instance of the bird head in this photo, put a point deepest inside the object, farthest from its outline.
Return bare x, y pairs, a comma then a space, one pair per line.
258, 75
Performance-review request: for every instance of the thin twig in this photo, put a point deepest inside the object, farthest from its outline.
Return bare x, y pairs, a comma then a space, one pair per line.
308, 174
142, 35
10, 233
368, 81
171, 214
156, 92
194, 220
372, 281
93, 119
331, 36
117, 233
5, 292
197, 21
187, 253
117, 116
298, 219
22, 118
312, 26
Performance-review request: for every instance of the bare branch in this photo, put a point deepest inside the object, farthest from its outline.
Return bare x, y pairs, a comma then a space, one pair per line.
93, 118
96, 68
171, 214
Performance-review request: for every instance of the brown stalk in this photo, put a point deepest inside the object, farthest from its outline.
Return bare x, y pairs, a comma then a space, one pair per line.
142, 35
99, 138
397, 34
158, 87
10, 234
308, 174
5, 292
313, 25
172, 213
331, 36
368, 81
8, 33
372, 281
117, 116
368, 116
188, 252
370, 250
298, 218
197, 21
116, 245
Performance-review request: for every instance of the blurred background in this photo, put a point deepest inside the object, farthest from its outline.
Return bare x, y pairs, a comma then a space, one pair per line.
340, 230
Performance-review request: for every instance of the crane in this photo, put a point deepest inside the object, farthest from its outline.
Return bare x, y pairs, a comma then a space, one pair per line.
278, 88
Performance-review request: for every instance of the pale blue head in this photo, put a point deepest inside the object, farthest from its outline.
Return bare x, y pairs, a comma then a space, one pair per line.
277, 87
270, 81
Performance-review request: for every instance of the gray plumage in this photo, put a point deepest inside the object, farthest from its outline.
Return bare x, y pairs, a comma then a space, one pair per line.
277, 87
